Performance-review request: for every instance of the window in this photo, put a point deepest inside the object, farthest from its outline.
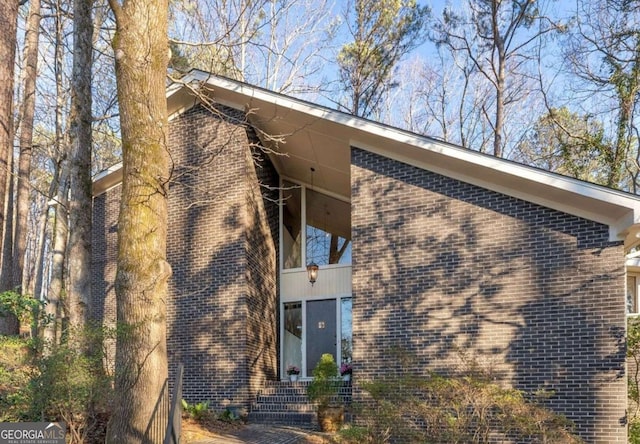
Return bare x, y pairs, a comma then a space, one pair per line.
328, 230
291, 225
293, 334
632, 293
346, 330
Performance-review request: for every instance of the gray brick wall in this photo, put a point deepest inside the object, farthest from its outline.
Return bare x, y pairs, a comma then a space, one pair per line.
222, 301
222, 311
534, 293
104, 241
262, 269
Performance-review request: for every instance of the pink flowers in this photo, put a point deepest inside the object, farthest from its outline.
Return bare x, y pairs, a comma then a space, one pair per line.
346, 369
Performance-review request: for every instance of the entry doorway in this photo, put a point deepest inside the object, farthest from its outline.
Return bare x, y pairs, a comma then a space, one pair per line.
312, 328
321, 331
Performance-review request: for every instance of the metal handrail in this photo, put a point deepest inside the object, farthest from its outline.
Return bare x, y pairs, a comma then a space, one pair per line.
174, 425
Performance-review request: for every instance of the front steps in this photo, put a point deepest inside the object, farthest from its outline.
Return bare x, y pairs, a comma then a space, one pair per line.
286, 403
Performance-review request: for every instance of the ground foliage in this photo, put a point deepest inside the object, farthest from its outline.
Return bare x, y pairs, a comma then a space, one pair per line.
633, 372
45, 382
467, 407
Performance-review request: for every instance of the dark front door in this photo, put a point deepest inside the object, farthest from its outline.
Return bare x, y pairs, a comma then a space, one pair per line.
321, 331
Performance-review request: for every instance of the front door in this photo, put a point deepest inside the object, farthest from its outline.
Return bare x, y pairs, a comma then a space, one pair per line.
321, 331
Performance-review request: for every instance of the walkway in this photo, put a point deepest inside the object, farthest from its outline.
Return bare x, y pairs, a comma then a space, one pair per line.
264, 434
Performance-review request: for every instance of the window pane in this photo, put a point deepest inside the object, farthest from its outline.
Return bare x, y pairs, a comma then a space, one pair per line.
328, 230
293, 335
632, 297
346, 330
292, 225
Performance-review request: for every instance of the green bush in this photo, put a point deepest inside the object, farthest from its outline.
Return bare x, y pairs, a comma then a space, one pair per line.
71, 386
16, 372
26, 309
324, 387
195, 411
633, 379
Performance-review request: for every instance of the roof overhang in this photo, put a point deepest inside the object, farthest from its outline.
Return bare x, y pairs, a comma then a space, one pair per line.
319, 137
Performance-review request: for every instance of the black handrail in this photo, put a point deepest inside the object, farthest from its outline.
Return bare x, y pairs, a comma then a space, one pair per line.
174, 425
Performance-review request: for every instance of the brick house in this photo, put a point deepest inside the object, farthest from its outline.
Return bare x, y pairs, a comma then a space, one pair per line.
423, 248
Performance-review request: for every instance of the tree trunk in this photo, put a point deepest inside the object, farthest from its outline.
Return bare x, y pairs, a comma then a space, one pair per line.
26, 140
500, 80
9, 323
8, 24
34, 284
60, 230
79, 285
60, 236
141, 52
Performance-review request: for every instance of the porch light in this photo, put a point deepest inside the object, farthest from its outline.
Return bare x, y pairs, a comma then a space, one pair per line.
312, 271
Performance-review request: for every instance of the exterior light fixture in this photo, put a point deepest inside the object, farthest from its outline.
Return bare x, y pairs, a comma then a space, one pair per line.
312, 272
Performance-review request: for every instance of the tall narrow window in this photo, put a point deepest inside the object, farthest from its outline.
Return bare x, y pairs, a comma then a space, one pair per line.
292, 225
328, 229
293, 334
632, 294
346, 330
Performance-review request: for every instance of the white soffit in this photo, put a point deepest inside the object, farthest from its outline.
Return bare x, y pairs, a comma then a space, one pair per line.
107, 179
277, 113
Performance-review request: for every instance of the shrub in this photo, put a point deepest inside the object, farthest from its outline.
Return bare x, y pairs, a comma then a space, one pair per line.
16, 372
70, 385
462, 408
325, 385
26, 309
195, 411
633, 379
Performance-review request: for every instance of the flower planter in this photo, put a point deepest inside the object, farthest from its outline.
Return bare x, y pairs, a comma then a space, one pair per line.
293, 378
346, 377
330, 418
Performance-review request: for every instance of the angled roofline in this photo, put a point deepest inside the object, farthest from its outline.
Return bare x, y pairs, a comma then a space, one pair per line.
617, 209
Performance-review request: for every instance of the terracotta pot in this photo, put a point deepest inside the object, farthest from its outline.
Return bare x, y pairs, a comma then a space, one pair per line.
330, 418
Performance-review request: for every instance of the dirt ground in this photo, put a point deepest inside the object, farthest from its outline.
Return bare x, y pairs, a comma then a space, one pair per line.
210, 427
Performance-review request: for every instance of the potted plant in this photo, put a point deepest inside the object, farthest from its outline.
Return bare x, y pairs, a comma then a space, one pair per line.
293, 372
323, 391
346, 370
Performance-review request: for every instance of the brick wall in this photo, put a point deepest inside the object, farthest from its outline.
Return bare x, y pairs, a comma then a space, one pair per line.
262, 219
222, 309
222, 301
534, 293
104, 241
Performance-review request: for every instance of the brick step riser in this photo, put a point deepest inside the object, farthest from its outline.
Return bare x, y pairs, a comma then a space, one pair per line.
300, 399
295, 400
344, 385
303, 389
344, 391
288, 408
302, 393
304, 420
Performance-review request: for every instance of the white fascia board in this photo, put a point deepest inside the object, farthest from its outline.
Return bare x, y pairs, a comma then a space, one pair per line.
633, 264
107, 179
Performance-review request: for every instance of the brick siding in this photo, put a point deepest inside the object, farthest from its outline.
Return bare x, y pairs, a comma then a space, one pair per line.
104, 242
532, 292
222, 301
